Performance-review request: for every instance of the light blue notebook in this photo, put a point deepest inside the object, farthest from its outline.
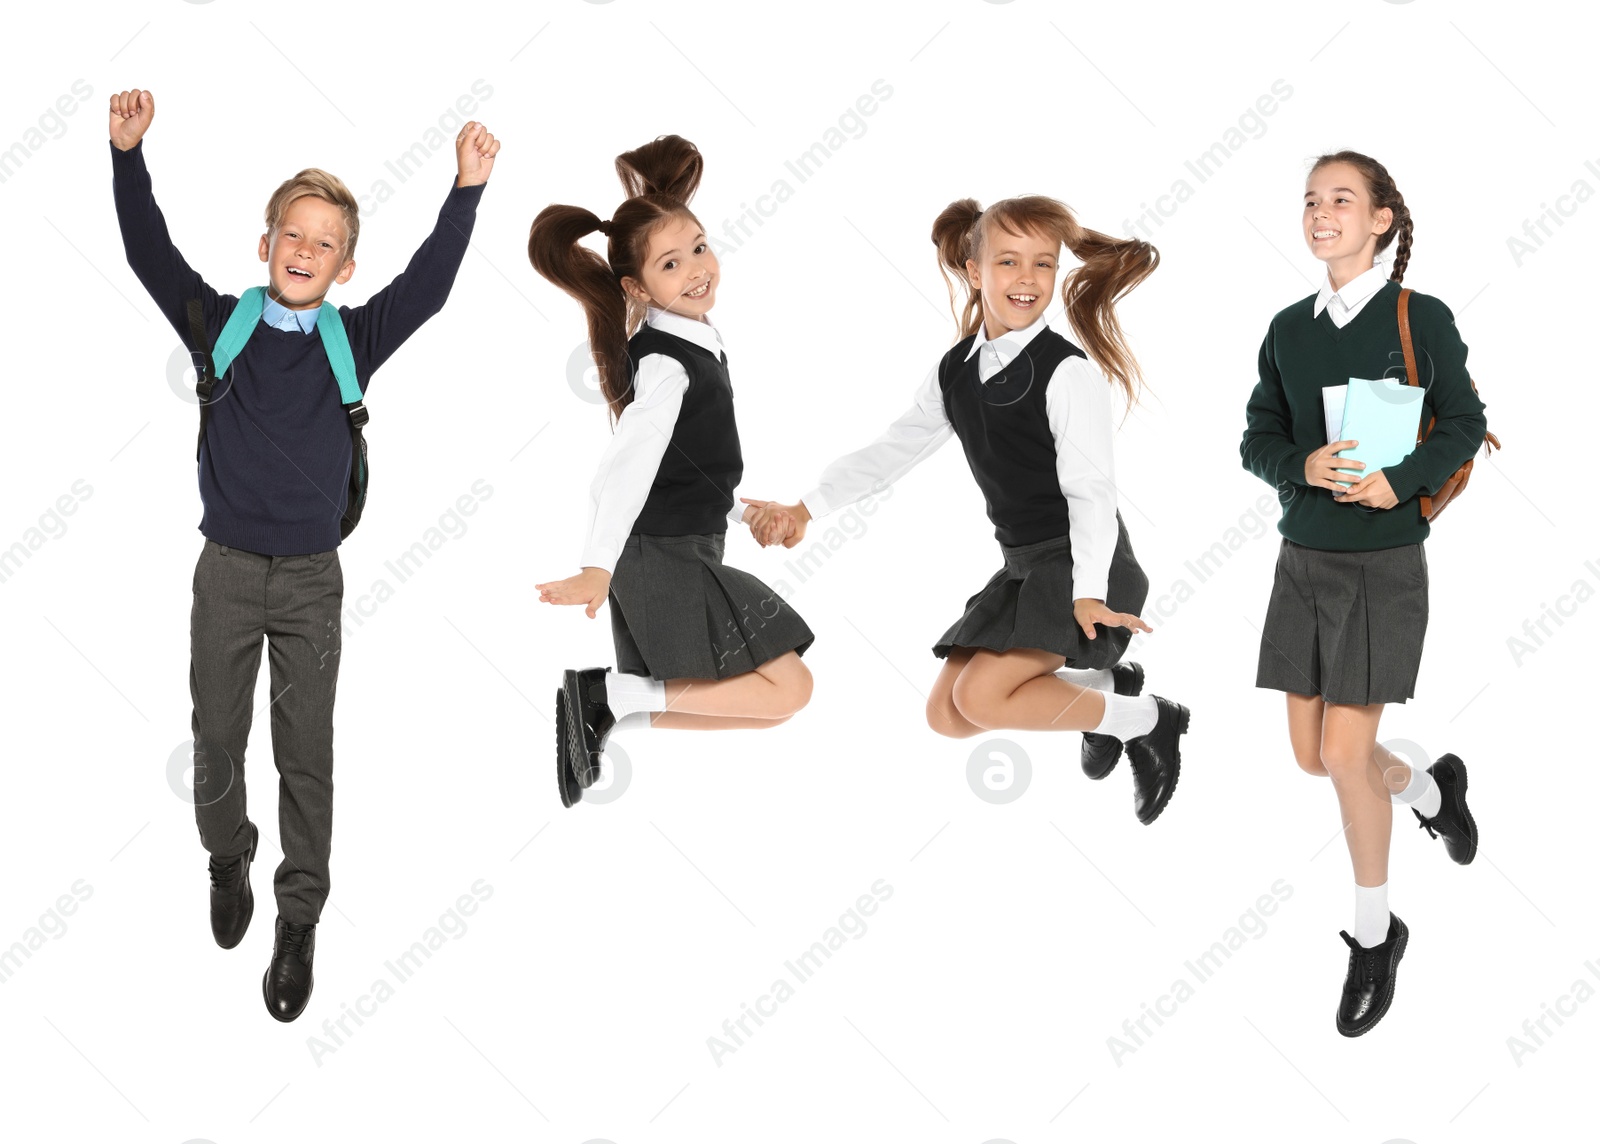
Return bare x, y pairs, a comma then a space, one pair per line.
1383, 415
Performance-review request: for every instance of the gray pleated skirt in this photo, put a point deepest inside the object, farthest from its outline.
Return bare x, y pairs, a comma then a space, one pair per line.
1347, 626
679, 612
1028, 603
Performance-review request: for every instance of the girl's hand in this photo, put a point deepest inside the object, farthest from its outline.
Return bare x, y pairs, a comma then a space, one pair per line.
773, 523
131, 113
1089, 612
1372, 489
1322, 467
475, 152
589, 588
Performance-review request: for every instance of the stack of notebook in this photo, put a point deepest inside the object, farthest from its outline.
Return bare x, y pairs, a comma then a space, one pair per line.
1382, 415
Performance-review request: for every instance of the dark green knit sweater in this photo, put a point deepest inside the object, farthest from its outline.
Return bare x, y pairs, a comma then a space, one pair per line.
1285, 425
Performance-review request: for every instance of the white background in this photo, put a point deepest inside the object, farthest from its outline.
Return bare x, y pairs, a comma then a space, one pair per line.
978, 1004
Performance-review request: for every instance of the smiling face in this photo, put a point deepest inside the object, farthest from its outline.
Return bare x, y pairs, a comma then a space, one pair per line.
304, 253
1340, 226
678, 272
1014, 275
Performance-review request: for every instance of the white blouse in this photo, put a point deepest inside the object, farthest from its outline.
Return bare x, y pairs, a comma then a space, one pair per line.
1078, 408
629, 465
1345, 303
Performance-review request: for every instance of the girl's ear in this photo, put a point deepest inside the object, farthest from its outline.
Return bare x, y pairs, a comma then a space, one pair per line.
636, 291
974, 275
1382, 220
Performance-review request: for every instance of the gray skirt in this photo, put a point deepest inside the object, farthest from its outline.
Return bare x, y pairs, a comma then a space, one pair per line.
1347, 626
1028, 603
679, 612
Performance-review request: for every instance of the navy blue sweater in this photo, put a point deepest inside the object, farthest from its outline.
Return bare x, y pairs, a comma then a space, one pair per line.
275, 464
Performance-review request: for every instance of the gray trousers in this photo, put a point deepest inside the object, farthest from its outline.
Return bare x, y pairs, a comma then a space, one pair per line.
294, 602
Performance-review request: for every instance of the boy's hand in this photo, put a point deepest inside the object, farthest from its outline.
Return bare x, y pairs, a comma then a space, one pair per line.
589, 588
475, 152
131, 113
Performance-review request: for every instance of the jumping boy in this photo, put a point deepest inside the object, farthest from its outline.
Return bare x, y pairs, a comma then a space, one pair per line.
275, 462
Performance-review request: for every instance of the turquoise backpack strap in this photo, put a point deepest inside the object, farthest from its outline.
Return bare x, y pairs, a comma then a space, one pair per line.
240, 325
337, 347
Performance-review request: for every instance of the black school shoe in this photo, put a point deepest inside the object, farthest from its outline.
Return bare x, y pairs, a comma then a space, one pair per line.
566, 781
1454, 820
1101, 752
232, 903
1369, 980
589, 721
1154, 759
286, 986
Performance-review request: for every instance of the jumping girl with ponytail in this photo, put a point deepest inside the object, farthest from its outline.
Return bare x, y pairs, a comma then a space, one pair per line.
1349, 607
1033, 412
699, 645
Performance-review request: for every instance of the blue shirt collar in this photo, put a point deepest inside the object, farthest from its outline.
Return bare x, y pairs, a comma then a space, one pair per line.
274, 313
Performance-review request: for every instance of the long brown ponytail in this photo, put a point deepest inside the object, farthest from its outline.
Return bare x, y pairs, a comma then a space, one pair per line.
659, 179
1110, 268
1380, 185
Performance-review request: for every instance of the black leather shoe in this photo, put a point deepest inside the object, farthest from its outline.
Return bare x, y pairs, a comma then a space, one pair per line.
566, 781
1454, 820
287, 982
232, 903
1369, 981
589, 721
1154, 759
1101, 752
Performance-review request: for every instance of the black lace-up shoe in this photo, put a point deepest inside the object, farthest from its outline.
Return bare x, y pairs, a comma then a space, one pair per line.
1369, 980
566, 781
1454, 821
589, 721
1101, 752
1154, 760
232, 903
286, 986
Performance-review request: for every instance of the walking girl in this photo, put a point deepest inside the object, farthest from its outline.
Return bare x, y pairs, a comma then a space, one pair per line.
1038, 647
1349, 606
699, 645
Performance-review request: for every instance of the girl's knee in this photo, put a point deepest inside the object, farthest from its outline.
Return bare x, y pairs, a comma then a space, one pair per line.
1310, 762
794, 689
973, 700
944, 719
1343, 765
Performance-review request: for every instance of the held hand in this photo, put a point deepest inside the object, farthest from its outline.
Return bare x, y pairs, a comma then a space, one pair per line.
131, 113
475, 152
1322, 467
801, 516
588, 588
1372, 489
1089, 612
771, 522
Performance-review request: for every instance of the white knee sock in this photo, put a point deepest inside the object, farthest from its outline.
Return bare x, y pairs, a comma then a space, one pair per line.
1099, 679
633, 721
1127, 716
1372, 914
1421, 793
626, 694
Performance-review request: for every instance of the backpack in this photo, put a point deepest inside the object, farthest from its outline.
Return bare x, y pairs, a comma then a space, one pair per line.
212, 363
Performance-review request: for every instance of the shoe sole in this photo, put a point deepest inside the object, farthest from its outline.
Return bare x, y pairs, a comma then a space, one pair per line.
578, 753
568, 787
310, 985
1380, 1011
1177, 767
1112, 765
249, 894
1472, 827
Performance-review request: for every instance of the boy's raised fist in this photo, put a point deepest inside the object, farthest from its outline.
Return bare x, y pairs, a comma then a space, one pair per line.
131, 113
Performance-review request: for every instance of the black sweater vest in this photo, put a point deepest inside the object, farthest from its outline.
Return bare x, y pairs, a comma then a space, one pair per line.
1005, 432
693, 489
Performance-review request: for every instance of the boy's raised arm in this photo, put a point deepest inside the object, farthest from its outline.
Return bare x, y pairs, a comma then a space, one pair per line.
155, 261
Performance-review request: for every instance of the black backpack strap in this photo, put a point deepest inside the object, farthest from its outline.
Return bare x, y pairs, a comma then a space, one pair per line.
204, 367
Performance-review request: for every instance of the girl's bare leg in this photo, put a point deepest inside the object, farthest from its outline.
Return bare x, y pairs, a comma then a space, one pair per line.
1349, 742
762, 697
1305, 732
1019, 690
681, 721
943, 716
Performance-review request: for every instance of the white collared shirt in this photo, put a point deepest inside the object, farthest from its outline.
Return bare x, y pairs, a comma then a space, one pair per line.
1345, 303
1078, 408
629, 465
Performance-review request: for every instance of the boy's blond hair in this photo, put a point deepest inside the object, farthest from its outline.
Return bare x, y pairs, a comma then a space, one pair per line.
315, 181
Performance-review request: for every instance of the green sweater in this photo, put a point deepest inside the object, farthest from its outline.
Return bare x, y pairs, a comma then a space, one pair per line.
1285, 423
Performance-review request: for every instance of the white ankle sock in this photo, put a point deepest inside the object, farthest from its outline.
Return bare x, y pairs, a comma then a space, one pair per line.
626, 694
1098, 679
634, 721
1372, 914
1127, 716
1421, 793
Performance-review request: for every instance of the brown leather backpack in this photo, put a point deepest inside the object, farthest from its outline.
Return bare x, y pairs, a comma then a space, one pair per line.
1456, 484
